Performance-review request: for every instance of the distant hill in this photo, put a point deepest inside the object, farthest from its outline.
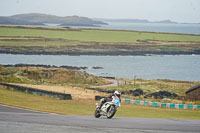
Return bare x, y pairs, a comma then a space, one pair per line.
41, 19
11, 21
165, 21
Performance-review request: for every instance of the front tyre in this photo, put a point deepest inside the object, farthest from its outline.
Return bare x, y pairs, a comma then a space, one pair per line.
111, 112
97, 113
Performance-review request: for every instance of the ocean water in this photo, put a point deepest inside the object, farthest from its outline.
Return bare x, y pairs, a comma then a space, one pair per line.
154, 27
182, 67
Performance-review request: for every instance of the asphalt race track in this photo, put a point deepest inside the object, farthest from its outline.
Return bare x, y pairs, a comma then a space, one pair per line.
15, 120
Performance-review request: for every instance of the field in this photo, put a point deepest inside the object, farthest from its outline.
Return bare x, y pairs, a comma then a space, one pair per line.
47, 77
54, 40
87, 107
77, 93
155, 85
98, 35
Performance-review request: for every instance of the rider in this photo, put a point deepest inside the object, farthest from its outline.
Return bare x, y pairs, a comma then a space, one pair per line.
115, 94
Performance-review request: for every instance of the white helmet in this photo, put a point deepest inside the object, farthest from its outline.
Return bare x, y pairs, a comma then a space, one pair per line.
117, 93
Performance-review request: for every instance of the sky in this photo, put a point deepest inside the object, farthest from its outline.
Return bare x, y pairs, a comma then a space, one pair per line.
153, 10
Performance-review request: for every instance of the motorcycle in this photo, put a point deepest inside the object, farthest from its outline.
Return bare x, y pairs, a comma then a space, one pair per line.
108, 109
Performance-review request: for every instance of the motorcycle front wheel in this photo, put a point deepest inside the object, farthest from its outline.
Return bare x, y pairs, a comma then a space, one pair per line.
97, 113
111, 112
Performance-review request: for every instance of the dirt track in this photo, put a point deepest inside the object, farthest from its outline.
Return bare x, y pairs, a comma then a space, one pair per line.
76, 92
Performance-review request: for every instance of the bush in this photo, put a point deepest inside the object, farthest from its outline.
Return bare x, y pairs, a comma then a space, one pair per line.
162, 94
138, 92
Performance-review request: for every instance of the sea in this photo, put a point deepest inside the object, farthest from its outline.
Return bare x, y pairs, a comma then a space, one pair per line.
180, 28
180, 67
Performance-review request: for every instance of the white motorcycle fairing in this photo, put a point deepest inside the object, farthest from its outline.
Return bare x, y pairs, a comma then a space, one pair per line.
108, 109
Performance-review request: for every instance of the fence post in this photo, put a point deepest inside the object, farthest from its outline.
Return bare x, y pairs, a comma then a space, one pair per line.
155, 104
189, 106
123, 100
172, 106
185, 106
137, 101
146, 103
194, 106
133, 101
163, 105
168, 105
177, 106
127, 100
142, 102
181, 106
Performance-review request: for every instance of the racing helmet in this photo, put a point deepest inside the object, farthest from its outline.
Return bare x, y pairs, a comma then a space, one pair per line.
117, 93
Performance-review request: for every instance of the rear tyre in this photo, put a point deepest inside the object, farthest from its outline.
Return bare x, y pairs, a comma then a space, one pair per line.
97, 113
111, 112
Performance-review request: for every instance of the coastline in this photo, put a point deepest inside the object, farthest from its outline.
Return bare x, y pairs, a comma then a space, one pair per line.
101, 53
97, 42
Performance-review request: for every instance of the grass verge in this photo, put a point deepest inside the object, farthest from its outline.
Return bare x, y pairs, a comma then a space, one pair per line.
87, 107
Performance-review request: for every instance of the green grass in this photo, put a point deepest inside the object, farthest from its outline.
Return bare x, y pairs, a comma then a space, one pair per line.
98, 35
46, 104
24, 100
129, 110
39, 43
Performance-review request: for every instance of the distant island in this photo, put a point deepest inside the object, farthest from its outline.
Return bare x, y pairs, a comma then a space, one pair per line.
137, 21
42, 19
67, 21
